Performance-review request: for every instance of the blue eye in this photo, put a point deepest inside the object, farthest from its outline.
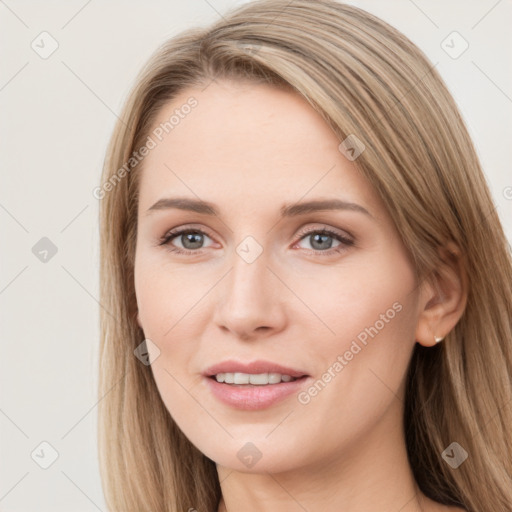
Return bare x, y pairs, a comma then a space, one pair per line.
321, 240
192, 241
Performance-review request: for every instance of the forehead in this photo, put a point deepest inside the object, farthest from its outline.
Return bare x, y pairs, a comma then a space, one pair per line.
246, 139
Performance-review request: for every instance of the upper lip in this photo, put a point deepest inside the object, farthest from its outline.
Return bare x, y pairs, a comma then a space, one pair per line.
254, 367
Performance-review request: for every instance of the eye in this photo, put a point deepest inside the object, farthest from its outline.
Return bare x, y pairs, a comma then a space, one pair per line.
191, 240
321, 241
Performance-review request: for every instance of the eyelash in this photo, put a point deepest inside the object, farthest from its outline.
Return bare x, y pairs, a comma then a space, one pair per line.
345, 242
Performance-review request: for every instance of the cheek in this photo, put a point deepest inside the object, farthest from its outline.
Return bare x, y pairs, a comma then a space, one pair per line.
366, 314
164, 295
169, 302
164, 304
347, 300
362, 365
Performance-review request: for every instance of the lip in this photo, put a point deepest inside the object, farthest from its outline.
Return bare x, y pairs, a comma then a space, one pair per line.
253, 398
248, 397
258, 366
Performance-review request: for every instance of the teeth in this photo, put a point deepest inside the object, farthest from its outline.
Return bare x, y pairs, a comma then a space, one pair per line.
260, 379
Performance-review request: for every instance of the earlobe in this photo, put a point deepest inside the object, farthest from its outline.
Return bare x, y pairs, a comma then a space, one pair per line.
443, 298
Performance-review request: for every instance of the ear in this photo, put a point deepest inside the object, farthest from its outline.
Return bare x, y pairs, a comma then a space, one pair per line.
138, 320
443, 297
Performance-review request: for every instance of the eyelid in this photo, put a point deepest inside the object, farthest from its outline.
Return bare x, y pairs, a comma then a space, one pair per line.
328, 230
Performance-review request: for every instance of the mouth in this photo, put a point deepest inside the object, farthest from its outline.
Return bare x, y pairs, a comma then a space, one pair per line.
254, 386
255, 372
247, 380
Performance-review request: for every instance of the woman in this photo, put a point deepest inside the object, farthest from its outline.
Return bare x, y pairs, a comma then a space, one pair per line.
307, 291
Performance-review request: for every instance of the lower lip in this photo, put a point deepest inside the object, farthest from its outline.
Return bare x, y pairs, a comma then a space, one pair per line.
252, 398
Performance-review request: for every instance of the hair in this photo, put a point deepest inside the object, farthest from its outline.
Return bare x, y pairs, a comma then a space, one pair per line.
366, 79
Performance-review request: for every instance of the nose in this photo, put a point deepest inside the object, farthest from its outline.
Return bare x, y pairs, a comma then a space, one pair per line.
250, 301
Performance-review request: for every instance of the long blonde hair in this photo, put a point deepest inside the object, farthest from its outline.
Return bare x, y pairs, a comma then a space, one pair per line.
365, 78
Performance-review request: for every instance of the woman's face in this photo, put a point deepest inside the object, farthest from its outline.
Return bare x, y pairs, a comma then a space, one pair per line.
252, 284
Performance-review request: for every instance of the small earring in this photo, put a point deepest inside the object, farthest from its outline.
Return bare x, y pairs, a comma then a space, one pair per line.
437, 340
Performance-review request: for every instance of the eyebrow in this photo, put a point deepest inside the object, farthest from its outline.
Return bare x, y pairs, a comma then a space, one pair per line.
287, 210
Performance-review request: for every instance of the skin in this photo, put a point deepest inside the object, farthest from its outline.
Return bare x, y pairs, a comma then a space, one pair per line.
249, 149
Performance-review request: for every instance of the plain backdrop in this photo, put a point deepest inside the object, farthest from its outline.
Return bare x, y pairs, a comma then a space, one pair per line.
57, 115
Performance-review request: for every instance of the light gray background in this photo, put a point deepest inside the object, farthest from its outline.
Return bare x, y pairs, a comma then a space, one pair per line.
57, 116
